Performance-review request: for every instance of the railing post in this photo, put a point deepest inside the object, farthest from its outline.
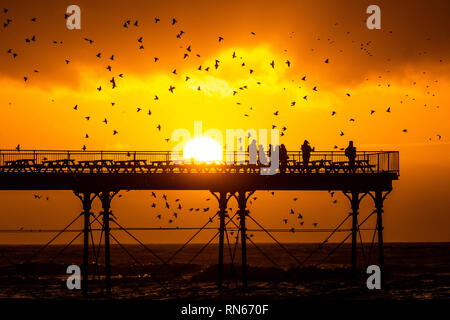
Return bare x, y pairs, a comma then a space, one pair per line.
378, 162
389, 162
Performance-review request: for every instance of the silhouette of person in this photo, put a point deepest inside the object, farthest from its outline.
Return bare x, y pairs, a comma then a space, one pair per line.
306, 152
252, 152
283, 158
262, 155
350, 153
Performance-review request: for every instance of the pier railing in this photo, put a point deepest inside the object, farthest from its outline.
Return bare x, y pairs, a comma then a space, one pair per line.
376, 161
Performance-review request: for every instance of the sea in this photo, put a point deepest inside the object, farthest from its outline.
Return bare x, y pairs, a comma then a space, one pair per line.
412, 271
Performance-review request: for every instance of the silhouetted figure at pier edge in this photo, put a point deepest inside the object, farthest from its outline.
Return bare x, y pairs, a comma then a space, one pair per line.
306, 152
283, 158
350, 153
253, 152
262, 159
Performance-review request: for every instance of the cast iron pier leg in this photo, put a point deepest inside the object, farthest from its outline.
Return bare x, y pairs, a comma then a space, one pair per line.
106, 197
222, 213
355, 208
86, 201
379, 207
242, 201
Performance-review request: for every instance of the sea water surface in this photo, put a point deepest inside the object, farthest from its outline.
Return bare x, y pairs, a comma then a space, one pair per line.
412, 271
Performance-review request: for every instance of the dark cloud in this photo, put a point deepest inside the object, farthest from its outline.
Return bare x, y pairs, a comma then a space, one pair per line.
414, 33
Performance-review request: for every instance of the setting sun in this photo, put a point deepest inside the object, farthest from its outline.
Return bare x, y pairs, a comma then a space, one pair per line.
203, 149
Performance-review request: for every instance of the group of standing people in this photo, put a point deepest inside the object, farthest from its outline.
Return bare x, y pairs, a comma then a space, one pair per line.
350, 153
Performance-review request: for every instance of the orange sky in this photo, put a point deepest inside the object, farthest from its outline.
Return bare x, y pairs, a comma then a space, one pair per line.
403, 66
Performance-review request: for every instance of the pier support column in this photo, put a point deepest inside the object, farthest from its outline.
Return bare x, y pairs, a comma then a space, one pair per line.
106, 197
379, 199
86, 200
222, 214
242, 202
355, 207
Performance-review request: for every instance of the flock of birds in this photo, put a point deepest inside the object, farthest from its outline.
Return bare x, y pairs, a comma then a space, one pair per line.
166, 211
129, 23
115, 78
